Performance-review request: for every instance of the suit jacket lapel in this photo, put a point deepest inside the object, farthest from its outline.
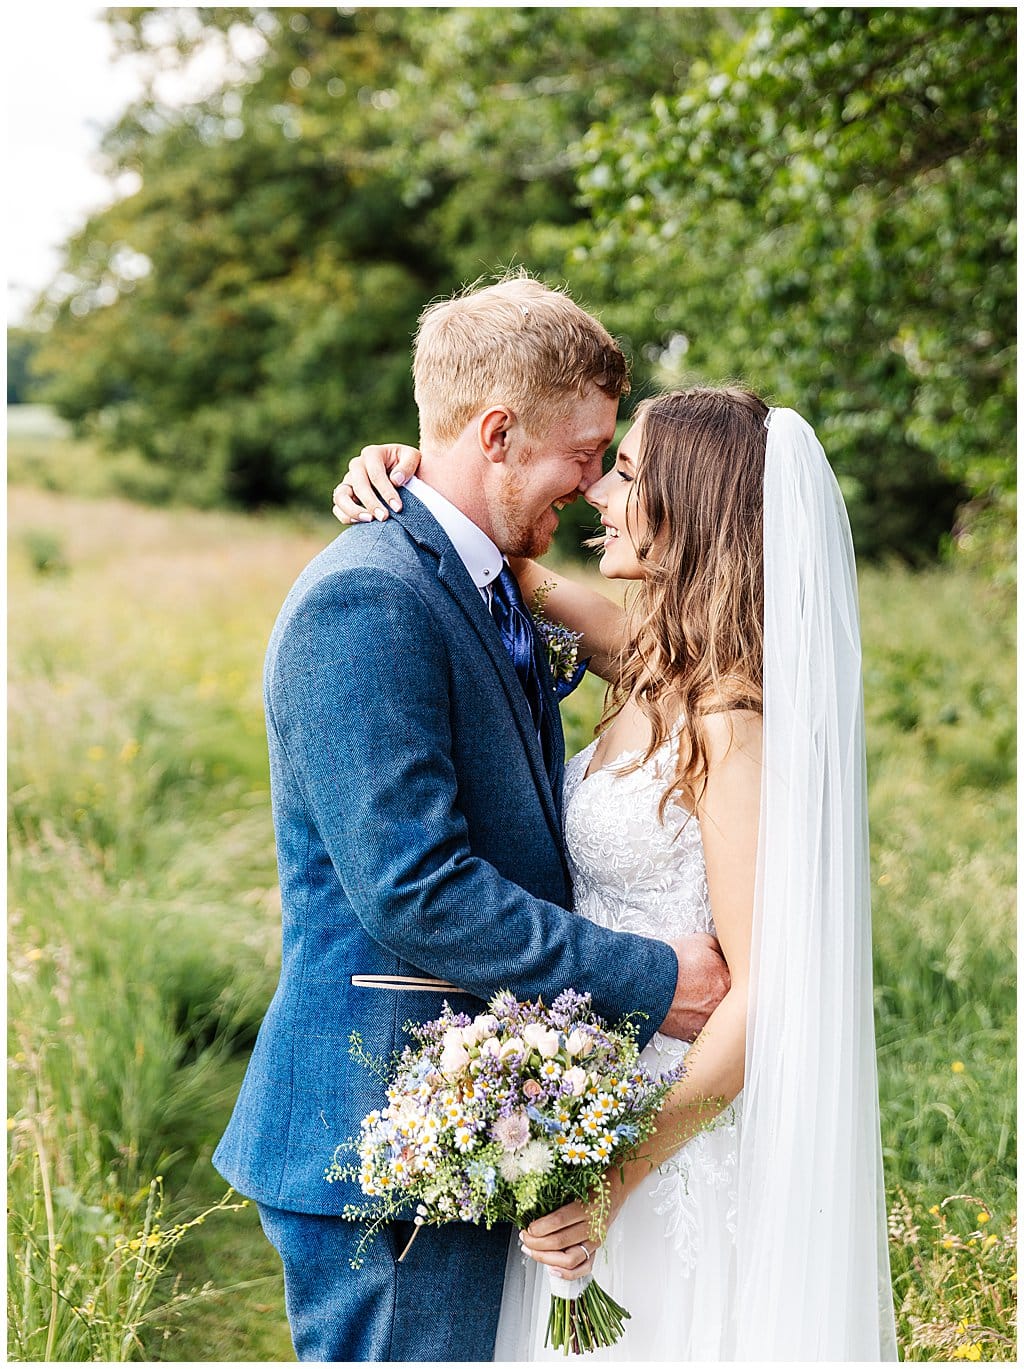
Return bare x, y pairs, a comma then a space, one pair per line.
427, 533
556, 737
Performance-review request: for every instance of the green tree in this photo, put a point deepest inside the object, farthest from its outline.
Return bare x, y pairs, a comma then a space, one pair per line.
22, 345
246, 315
829, 213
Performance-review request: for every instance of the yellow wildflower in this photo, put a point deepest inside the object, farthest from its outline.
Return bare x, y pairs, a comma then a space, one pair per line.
958, 1067
130, 750
153, 1240
947, 1244
34, 954
984, 1217
934, 1210
971, 1351
989, 1242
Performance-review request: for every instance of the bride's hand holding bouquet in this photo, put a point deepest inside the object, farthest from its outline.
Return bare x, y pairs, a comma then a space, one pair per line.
507, 1117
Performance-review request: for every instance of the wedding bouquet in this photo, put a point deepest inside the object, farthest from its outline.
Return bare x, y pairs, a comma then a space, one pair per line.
506, 1117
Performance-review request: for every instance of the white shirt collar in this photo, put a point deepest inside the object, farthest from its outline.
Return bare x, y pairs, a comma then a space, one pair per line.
476, 551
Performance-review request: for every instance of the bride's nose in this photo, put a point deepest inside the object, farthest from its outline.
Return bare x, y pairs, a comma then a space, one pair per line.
597, 494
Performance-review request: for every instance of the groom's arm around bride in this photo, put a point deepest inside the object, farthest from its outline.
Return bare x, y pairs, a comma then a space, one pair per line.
417, 818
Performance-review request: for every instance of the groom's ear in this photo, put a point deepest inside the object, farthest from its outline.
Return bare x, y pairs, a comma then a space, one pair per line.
495, 430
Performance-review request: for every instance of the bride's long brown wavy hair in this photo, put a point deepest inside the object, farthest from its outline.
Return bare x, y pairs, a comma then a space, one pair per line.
695, 626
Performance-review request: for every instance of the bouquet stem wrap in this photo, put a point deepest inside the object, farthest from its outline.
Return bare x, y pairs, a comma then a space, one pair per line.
582, 1316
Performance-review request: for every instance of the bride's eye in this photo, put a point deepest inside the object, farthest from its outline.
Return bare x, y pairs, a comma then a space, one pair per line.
623, 475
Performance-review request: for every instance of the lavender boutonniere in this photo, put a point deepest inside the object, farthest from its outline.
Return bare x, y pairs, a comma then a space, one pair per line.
561, 646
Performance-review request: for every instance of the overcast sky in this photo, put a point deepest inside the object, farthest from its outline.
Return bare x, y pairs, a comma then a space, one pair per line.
61, 87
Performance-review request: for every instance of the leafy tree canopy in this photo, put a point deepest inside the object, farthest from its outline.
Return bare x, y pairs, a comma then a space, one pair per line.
817, 201
247, 313
829, 213
22, 345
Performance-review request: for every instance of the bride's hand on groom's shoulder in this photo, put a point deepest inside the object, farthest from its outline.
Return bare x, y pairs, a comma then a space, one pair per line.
372, 482
702, 983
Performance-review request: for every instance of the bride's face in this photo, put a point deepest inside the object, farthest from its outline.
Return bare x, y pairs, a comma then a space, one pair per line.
614, 497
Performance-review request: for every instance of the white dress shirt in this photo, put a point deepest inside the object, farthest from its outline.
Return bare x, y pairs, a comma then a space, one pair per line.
476, 551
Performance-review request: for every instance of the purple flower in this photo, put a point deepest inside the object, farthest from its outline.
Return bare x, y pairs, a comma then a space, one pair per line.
504, 1004
569, 1006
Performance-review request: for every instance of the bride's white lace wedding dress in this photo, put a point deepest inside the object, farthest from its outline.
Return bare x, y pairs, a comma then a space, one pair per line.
669, 1257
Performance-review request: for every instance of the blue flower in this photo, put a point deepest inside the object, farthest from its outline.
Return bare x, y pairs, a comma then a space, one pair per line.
549, 1125
476, 1169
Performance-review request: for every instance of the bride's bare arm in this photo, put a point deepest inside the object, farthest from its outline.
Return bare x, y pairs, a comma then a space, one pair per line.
579, 608
729, 812
370, 489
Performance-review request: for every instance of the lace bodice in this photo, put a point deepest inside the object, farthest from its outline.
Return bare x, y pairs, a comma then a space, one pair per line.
631, 872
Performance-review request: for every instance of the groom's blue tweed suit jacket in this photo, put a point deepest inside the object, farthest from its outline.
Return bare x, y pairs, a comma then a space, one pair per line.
418, 834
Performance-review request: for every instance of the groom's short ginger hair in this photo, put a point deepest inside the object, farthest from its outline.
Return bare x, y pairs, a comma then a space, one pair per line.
517, 342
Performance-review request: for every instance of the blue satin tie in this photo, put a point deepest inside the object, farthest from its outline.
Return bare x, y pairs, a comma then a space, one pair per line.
517, 632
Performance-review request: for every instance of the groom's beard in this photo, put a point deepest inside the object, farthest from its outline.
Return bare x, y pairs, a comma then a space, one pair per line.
517, 531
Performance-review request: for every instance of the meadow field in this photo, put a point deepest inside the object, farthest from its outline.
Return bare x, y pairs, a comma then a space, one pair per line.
143, 934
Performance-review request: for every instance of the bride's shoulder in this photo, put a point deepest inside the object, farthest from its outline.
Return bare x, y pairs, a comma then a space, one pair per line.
730, 731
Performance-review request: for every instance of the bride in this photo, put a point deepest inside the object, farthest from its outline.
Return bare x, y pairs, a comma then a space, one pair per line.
725, 793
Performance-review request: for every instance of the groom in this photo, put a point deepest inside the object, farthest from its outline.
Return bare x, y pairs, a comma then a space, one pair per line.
416, 773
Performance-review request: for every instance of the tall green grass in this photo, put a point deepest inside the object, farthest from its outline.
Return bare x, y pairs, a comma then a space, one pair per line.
143, 935
144, 930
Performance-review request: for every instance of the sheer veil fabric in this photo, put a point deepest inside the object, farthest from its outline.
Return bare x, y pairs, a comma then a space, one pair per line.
811, 1239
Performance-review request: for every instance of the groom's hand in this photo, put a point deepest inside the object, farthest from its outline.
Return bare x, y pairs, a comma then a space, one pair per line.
702, 983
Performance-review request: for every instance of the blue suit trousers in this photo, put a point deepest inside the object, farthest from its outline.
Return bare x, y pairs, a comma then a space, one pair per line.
444, 1307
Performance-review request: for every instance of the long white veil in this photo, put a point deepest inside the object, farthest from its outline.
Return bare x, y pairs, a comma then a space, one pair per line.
813, 1263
